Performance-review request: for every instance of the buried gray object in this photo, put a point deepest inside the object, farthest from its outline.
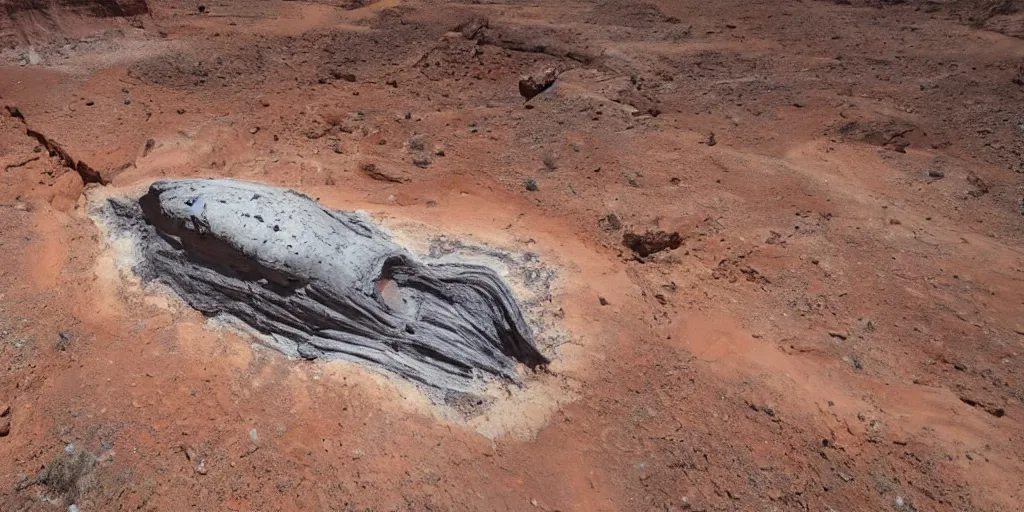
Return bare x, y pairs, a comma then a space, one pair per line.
326, 284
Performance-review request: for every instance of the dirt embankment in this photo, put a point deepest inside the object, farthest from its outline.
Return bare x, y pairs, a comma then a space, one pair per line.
28, 21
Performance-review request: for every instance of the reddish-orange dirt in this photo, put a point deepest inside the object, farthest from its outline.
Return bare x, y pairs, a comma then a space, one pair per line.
838, 326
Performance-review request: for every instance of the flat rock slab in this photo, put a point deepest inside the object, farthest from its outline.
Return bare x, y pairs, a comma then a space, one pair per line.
326, 284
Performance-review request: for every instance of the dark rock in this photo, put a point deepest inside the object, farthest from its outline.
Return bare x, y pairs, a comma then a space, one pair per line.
610, 222
531, 185
90, 103
325, 284
935, 173
5, 421
63, 338
421, 161
651, 242
530, 86
711, 139
603, 301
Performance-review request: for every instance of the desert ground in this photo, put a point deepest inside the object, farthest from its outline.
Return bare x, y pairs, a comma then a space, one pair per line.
781, 245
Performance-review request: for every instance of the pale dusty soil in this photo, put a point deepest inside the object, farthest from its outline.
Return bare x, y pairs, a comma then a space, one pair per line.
838, 331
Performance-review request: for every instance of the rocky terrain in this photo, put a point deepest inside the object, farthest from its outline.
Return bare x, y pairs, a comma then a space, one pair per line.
774, 249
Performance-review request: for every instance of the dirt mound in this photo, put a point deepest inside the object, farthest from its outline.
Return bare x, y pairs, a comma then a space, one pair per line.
26, 21
241, 68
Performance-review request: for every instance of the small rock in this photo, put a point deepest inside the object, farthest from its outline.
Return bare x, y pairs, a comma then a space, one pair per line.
651, 242
631, 179
392, 83
63, 338
5, 426
253, 436
201, 468
254, 129
530, 86
421, 162
531, 185
549, 161
937, 174
90, 103
711, 139
357, 454
127, 101
372, 171
181, 111
72, 508
610, 222
603, 301
439, 152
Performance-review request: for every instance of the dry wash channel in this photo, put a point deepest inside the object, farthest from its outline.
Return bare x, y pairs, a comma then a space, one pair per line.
326, 284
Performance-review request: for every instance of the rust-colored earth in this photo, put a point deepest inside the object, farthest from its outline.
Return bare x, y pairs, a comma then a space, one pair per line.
839, 325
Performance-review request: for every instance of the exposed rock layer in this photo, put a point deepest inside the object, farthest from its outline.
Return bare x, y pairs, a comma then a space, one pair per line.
326, 284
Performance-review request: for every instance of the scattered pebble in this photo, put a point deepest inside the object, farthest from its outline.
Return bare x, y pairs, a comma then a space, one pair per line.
531, 185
